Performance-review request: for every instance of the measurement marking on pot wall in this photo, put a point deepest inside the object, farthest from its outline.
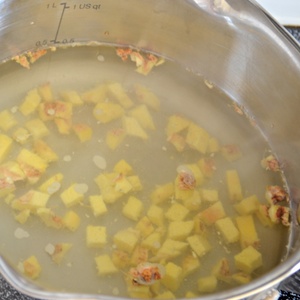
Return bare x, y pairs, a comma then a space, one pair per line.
82, 6
66, 6
59, 24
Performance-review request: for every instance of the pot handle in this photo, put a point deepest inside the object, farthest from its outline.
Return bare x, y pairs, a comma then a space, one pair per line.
274, 294
285, 295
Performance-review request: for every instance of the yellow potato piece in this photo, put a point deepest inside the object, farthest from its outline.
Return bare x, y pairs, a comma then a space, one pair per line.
96, 236
32, 267
173, 277
30, 103
143, 116
105, 266
117, 92
7, 120
5, 146
106, 112
248, 260
133, 128
234, 185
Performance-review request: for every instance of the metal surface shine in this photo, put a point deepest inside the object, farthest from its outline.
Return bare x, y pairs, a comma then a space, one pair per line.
290, 287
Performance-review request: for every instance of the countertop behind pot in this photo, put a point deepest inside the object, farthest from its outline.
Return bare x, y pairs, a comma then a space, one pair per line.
291, 284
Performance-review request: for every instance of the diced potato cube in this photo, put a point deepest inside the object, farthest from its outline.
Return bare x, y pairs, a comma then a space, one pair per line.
189, 264
28, 158
106, 112
72, 97
182, 193
171, 249
178, 141
213, 213
5, 146
145, 226
152, 241
11, 171
199, 244
177, 212
120, 259
96, 94
162, 193
139, 291
207, 284
165, 295
135, 183
43, 150
173, 276
248, 260
143, 116
126, 239
241, 278
63, 126
31, 200
248, 233
96, 236
133, 128
49, 218
197, 138
210, 195
193, 203
30, 103
133, 208
190, 294
52, 185
23, 216
123, 167
228, 230
59, 252
71, 220
156, 215
105, 182
45, 92
231, 152
73, 195
199, 177
234, 186
247, 206
7, 120
176, 124
222, 270
21, 135
105, 266
37, 128
83, 131
122, 184
62, 110
116, 91
32, 267
262, 214
145, 96
56, 110
180, 230
114, 137
139, 255
98, 206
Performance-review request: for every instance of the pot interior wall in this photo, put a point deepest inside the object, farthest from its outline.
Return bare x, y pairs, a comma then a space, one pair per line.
230, 44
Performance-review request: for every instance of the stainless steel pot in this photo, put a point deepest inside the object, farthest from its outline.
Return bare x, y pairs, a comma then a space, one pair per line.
234, 44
